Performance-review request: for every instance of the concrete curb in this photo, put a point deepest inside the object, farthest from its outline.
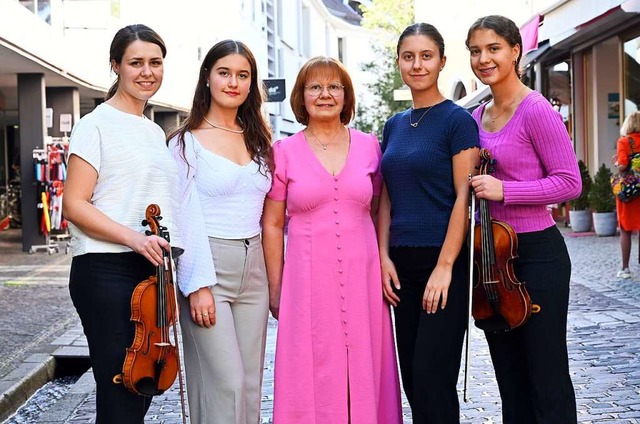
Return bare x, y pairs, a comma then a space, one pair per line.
22, 382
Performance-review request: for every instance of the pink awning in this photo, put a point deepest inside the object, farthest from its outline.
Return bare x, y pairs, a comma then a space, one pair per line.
529, 33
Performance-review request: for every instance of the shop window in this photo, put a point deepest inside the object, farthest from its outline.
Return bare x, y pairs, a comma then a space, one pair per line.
631, 79
558, 89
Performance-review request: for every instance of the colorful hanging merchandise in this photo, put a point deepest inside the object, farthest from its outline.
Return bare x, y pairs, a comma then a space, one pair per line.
50, 172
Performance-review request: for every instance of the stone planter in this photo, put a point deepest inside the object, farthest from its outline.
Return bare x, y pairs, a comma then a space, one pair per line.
605, 223
580, 221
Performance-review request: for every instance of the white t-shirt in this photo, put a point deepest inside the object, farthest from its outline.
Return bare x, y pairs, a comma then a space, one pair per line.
134, 168
219, 198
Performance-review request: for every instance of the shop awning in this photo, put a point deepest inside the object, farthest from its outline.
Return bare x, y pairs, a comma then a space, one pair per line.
475, 98
571, 27
536, 55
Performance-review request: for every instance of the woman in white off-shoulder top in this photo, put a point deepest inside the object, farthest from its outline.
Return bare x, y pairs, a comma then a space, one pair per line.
223, 152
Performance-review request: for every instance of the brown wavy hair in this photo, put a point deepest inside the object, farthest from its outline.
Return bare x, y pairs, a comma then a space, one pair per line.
257, 134
324, 66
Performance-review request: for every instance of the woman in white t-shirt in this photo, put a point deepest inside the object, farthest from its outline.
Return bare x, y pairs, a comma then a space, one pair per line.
118, 165
223, 152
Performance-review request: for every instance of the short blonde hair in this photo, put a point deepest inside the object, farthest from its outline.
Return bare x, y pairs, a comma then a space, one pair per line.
322, 65
631, 124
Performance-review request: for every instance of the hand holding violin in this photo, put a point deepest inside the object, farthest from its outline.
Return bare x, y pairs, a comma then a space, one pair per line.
487, 187
149, 246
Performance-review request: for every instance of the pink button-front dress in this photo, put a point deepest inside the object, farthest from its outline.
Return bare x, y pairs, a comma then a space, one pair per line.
335, 356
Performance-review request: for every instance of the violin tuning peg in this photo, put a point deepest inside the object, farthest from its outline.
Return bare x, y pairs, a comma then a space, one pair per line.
159, 217
147, 232
144, 222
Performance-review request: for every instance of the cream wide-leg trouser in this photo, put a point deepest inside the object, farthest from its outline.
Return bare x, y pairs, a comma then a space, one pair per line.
224, 363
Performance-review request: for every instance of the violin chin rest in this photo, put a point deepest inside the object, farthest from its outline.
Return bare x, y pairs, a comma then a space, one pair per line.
147, 386
495, 324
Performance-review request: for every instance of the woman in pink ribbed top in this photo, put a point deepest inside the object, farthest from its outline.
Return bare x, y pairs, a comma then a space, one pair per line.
535, 166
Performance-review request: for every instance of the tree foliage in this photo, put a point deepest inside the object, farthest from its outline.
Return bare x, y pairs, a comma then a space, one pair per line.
388, 18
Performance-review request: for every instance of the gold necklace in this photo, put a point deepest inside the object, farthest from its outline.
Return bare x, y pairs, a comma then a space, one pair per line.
323, 145
231, 130
415, 124
507, 107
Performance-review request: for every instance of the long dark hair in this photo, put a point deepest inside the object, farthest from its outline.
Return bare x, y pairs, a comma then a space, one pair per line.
427, 30
503, 27
257, 135
123, 38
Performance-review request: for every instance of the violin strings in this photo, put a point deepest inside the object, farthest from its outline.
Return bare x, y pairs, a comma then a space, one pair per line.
487, 244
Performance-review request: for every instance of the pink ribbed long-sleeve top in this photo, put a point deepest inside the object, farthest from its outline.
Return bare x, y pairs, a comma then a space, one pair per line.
535, 162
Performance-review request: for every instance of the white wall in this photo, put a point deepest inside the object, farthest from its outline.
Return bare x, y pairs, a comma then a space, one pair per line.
78, 39
606, 130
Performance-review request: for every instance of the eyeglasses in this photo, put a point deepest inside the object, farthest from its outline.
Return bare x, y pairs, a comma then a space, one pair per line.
315, 89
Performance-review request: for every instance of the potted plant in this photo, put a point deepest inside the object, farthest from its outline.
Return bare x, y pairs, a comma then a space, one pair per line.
580, 215
603, 203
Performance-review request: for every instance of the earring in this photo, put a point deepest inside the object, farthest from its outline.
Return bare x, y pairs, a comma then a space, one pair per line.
441, 69
513, 61
207, 83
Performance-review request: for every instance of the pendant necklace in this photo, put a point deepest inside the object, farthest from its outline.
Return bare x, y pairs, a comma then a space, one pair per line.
415, 124
323, 145
231, 130
507, 107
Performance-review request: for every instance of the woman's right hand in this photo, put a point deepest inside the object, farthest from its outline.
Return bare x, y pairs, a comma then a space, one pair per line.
274, 304
149, 246
203, 307
389, 275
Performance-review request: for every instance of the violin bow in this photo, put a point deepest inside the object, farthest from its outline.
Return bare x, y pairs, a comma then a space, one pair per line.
172, 270
472, 224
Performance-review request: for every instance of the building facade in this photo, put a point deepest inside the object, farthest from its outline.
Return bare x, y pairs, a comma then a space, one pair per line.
54, 64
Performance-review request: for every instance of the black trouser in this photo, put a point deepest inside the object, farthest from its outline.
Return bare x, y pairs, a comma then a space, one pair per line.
429, 345
531, 362
101, 285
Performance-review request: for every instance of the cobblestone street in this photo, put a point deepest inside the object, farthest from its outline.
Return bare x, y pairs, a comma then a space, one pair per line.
604, 324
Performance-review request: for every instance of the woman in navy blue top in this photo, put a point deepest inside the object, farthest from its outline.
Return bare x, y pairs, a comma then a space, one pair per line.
429, 152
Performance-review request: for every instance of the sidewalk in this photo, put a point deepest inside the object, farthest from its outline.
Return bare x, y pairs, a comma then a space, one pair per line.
604, 323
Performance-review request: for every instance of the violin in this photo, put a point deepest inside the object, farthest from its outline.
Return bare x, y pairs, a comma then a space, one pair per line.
500, 302
152, 362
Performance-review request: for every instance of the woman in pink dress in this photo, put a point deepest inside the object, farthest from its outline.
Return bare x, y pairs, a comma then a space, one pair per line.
335, 356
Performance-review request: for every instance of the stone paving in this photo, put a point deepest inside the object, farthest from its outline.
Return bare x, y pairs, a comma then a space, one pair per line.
604, 323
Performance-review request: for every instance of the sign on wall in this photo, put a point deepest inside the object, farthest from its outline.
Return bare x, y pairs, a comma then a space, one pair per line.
275, 89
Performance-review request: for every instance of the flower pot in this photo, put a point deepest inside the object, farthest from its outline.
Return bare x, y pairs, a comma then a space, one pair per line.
605, 223
580, 221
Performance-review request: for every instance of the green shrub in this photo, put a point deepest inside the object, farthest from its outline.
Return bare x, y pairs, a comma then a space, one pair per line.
601, 196
581, 203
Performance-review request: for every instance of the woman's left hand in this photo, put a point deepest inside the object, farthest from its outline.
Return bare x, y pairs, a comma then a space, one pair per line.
203, 307
437, 290
487, 187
